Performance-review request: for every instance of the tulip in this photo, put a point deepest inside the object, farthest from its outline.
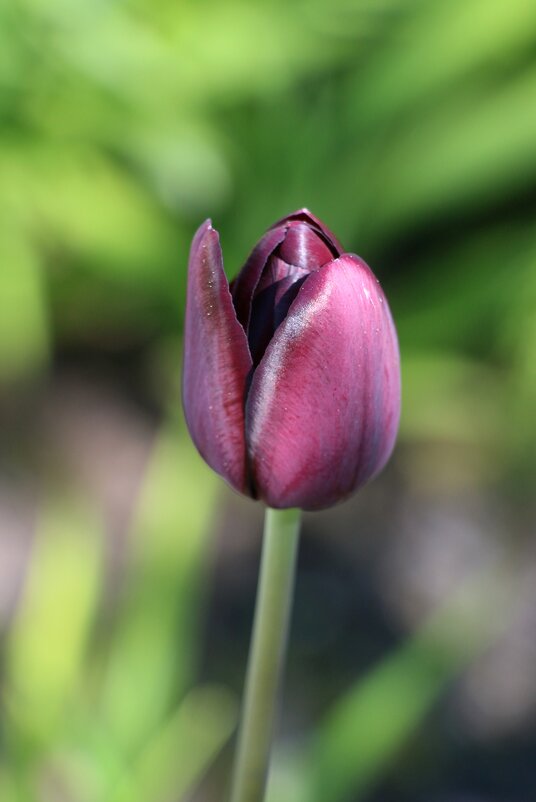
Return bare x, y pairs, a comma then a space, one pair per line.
291, 384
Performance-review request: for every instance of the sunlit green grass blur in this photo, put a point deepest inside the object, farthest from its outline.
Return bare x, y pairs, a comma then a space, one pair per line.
409, 127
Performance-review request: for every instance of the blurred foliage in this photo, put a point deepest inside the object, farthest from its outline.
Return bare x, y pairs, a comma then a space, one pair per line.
104, 717
409, 127
375, 716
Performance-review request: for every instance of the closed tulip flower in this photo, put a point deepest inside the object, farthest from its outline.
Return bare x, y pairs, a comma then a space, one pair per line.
291, 383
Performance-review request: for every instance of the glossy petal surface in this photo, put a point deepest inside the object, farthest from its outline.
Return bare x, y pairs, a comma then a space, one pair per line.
323, 408
308, 217
216, 363
305, 248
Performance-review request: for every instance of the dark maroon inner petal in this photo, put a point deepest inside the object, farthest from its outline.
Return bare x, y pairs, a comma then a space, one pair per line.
246, 282
276, 270
305, 216
304, 248
302, 251
266, 286
270, 307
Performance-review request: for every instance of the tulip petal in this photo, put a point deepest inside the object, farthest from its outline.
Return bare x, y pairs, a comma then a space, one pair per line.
245, 283
305, 248
323, 407
308, 217
217, 363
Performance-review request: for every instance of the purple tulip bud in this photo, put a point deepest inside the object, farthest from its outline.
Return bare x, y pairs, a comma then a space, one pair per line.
291, 385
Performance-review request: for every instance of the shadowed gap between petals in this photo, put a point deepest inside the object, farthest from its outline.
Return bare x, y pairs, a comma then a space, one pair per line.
249, 474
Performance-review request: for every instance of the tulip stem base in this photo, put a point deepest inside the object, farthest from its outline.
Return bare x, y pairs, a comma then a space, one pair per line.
267, 651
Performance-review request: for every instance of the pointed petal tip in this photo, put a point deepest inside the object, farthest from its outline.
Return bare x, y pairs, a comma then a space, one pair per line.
304, 210
199, 237
216, 362
205, 226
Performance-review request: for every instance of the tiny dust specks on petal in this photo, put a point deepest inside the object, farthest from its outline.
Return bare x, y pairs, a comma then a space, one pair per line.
216, 363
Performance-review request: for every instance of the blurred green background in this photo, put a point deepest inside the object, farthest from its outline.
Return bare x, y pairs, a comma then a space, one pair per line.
127, 571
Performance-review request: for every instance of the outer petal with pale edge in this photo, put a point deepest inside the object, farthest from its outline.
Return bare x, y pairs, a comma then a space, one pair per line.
323, 408
216, 363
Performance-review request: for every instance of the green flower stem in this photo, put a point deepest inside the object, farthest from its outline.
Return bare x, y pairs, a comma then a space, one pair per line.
267, 651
